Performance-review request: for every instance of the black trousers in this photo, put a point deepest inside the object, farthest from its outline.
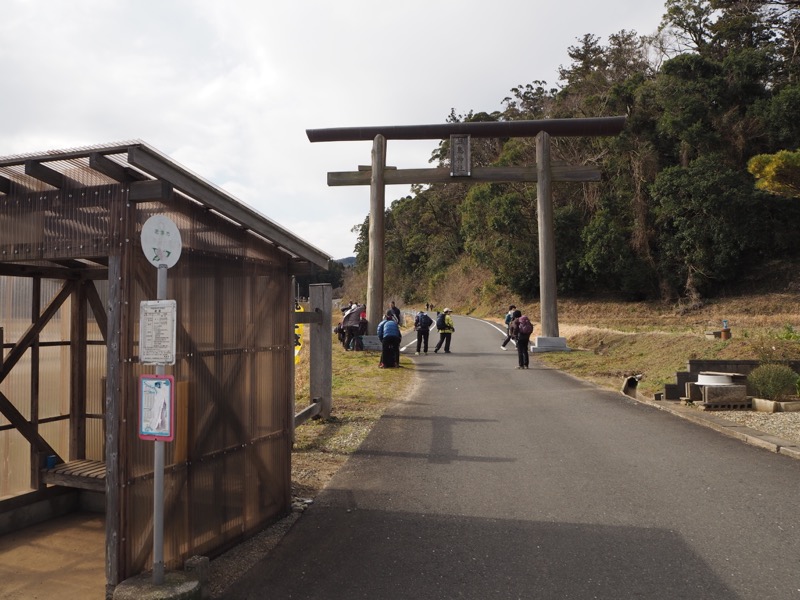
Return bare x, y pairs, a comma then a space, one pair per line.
351, 332
522, 349
444, 338
390, 351
422, 339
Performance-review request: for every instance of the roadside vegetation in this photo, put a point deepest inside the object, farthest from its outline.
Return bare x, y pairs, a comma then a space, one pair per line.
361, 392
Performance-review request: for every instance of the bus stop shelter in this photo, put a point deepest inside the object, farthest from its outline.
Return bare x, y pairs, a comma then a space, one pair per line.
72, 276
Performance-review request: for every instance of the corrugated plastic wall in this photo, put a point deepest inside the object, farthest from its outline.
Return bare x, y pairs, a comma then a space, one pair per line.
227, 472
16, 295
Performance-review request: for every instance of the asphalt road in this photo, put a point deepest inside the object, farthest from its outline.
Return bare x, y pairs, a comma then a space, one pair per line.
491, 482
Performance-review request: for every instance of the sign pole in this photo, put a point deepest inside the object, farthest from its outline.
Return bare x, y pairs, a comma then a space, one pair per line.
161, 244
158, 465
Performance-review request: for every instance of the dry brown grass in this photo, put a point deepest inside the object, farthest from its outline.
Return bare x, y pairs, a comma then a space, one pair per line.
613, 339
361, 393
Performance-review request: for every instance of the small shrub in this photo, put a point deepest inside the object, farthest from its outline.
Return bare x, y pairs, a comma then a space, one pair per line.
772, 381
789, 334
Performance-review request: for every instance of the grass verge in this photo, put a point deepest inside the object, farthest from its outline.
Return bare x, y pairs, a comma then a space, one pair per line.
361, 393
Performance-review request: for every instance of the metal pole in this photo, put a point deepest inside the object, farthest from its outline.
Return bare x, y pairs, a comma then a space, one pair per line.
377, 194
158, 466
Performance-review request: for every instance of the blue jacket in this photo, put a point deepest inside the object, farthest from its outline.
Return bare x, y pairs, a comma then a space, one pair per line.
388, 328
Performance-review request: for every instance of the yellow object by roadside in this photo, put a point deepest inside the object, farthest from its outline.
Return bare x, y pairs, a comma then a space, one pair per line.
298, 336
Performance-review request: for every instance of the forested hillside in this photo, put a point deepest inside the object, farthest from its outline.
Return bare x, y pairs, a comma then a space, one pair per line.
678, 214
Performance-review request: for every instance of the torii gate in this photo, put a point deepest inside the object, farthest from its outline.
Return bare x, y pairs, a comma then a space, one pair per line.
543, 173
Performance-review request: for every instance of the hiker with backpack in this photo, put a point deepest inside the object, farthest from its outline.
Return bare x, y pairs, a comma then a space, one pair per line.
390, 336
444, 323
350, 325
422, 325
509, 318
521, 330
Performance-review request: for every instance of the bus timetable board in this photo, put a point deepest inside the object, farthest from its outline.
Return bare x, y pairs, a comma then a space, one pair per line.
157, 329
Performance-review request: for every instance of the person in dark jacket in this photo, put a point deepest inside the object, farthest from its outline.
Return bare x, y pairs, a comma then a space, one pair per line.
521, 330
422, 325
390, 336
350, 322
396, 314
509, 318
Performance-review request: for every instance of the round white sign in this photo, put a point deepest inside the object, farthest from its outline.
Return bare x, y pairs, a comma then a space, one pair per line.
161, 241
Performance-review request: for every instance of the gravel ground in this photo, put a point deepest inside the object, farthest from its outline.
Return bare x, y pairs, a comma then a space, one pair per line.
785, 425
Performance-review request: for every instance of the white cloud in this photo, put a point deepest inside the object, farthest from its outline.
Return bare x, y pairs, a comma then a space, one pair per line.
229, 88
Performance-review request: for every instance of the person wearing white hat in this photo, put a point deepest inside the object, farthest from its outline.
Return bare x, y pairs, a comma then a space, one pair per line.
444, 323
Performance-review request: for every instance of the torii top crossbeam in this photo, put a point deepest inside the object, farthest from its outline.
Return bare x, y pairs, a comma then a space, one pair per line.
486, 129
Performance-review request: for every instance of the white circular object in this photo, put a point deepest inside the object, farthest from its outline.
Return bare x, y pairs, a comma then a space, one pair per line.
161, 241
717, 379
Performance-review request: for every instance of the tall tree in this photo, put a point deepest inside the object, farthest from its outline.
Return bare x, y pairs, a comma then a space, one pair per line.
703, 213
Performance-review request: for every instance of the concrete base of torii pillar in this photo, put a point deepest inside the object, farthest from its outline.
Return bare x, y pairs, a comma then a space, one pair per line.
549, 344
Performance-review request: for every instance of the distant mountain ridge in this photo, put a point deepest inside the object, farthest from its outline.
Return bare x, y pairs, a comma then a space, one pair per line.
347, 262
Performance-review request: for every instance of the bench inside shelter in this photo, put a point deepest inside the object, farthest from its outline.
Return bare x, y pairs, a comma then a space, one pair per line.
81, 474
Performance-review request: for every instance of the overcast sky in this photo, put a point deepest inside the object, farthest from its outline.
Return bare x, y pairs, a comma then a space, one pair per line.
228, 88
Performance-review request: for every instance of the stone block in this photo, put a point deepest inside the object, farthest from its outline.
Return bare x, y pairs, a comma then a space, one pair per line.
372, 343
198, 567
550, 344
672, 391
684, 377
177, 586
694, 392
764, 405
724, 394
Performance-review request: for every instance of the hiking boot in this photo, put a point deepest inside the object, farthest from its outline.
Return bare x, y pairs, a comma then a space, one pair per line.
416, 353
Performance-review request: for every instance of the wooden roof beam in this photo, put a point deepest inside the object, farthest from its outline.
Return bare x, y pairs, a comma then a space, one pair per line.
7, 186
224, 204
49, 176
115, 171
54, 272
147, 191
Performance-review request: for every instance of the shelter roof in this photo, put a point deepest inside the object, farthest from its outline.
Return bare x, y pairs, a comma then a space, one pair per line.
134, 161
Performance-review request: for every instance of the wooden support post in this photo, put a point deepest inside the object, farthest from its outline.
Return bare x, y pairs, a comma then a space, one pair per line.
35, 357
113, 416
547, 243
321, 354
291, 299
377, 200
78, 357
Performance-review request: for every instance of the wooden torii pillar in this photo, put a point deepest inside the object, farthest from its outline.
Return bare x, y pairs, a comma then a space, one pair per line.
543, 173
